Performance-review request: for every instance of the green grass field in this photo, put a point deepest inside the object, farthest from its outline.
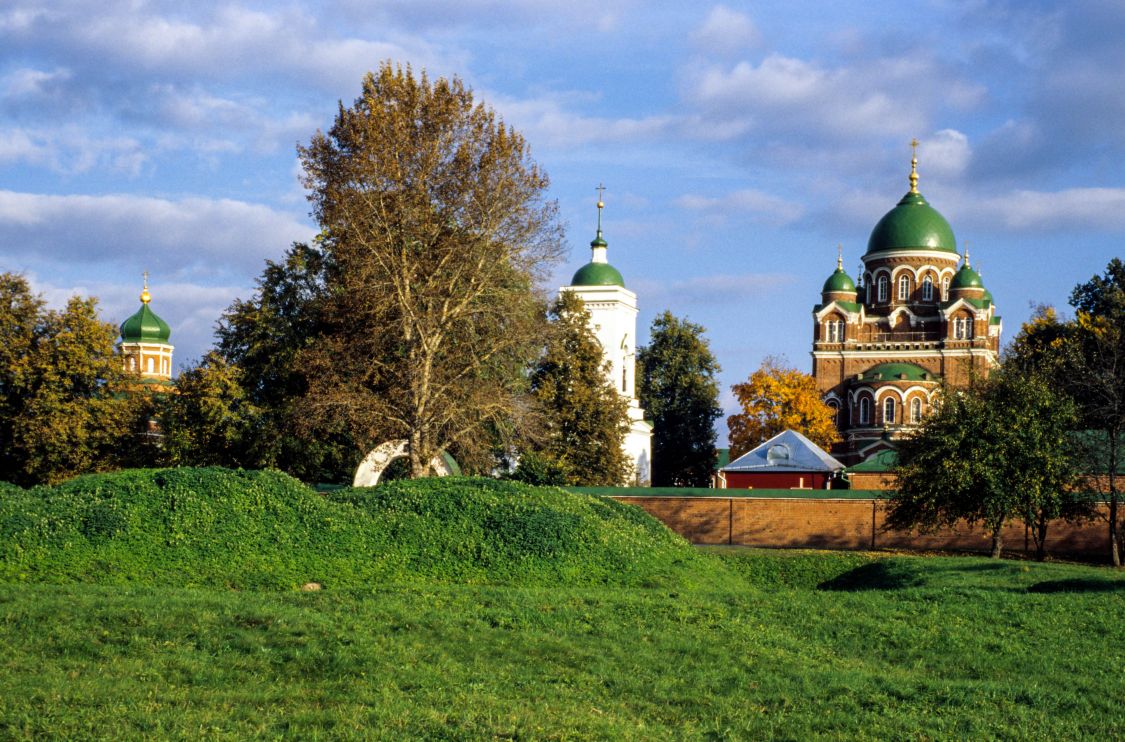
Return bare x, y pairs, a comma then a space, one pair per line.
721, 643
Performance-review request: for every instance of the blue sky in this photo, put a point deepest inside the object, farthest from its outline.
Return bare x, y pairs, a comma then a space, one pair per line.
739, 142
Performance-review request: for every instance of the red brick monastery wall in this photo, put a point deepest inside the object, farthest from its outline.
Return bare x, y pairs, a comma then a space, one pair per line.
843, 524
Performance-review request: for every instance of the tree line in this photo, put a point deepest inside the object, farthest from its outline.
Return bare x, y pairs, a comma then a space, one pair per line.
415, 314
1039, 439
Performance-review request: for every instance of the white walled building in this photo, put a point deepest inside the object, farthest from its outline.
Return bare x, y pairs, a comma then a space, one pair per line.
613, 319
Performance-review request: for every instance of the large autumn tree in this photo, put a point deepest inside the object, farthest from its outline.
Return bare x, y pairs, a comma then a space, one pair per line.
584, 418
777, 398
679, 391
64, 409
438, 229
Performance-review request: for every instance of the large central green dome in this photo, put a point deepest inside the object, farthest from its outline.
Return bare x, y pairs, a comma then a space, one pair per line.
912, 225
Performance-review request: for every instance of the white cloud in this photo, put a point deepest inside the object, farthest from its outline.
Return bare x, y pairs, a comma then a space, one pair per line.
716, 290
70, 150
726, 31
1078, 209
945, 153
762, 206
546, 121
192, 235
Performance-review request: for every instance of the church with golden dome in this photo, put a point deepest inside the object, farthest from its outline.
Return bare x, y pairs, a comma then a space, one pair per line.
918, 316
145, 349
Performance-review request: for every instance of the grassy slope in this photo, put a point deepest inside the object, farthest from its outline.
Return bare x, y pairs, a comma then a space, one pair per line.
264, 530
117, 619
901, 647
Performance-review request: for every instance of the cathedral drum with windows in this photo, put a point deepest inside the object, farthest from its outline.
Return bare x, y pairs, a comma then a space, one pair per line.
920, 315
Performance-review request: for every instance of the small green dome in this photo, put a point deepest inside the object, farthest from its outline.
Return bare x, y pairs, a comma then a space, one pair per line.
966, 278
839, 281
912, 225
898, 372
145, 327
597, 274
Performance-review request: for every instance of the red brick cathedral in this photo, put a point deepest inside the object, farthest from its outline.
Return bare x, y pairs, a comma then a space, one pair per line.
882, 348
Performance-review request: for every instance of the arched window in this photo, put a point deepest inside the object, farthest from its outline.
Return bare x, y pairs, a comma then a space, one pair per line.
834, 331
903, 287
883, 287
864, 411
927, 289
916, 410
132, 363
835, 411
945, 289
963, 328
624, 377
889, 411
151, 365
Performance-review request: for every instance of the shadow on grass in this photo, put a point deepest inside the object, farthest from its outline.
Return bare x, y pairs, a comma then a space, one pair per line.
1077, 585
881, 575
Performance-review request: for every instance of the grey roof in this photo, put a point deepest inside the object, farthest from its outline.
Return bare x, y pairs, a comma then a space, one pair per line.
789, 451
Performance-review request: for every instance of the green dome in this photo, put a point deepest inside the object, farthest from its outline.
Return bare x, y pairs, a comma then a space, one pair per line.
912, 225
597, 274
897, 372
966, 278
839, 281
145, 327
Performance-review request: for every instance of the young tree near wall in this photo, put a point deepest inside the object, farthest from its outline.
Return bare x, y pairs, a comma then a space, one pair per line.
774, 399
63, 406
1098, 377
679, 391
998, 450
438, 229
585, 420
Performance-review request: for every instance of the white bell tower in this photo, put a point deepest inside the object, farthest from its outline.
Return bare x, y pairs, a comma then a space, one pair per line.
613, 320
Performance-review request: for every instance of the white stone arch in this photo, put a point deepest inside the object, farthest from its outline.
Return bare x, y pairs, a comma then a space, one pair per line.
886, 391
369, 471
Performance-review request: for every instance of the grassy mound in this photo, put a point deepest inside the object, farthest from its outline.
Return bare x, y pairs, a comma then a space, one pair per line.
265, 530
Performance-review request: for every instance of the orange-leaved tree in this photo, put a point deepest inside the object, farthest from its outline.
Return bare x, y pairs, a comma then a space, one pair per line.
776, 398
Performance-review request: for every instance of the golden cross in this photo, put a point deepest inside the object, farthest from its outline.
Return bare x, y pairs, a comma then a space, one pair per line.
839, 256
601, 191
145, 274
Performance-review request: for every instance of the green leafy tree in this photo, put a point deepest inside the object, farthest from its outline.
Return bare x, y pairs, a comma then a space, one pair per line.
264, 337
585, 419
995, 451
209, 420
679, 391
435, 221
64, 409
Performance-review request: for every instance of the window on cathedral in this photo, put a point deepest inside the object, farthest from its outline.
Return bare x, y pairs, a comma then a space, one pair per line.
915, 410
963, 328
945, 289
864, 411
883, 288
927, 289
151, 365
889, 411
624, 378
903, 288
834, 330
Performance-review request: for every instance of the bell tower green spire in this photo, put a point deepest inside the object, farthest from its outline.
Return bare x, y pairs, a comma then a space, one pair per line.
598, 272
